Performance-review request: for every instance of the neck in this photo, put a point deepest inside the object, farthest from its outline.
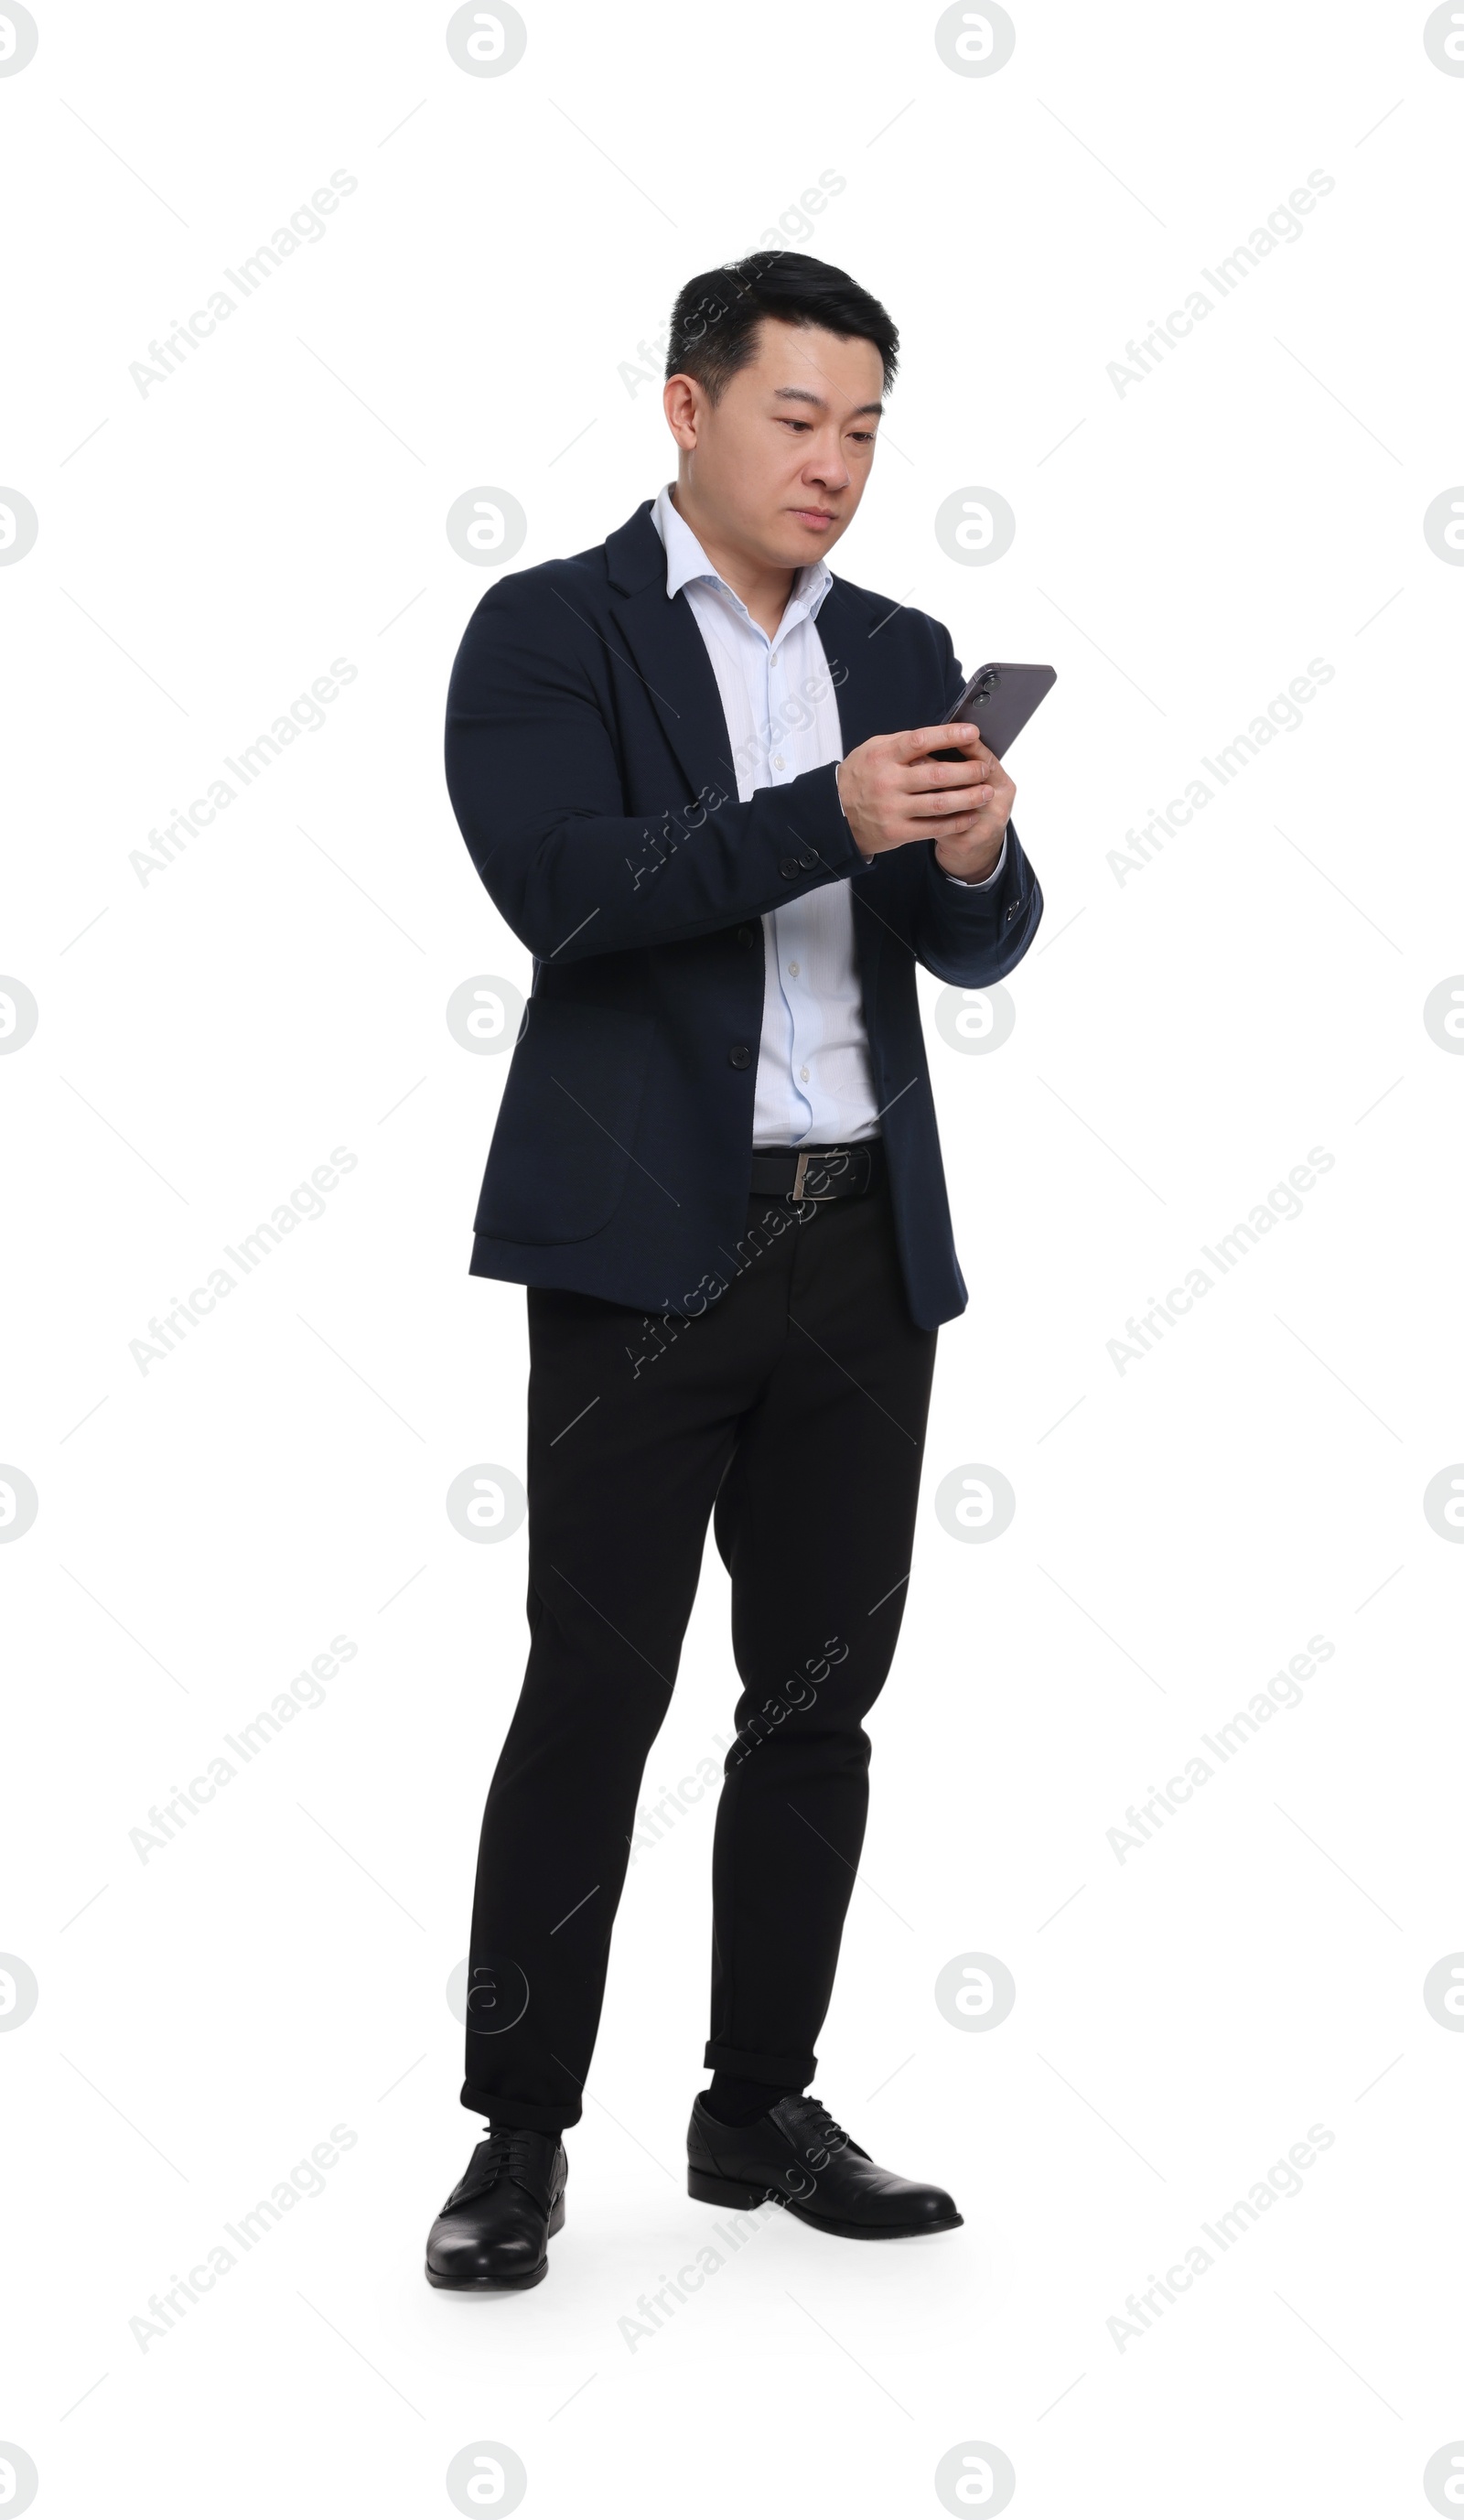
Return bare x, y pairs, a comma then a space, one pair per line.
764, 587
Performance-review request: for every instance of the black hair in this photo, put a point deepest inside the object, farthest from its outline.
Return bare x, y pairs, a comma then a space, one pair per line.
714, 323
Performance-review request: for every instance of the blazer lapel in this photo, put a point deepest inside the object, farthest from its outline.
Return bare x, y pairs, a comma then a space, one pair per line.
856, 666
669, 654
861, 679
667, 651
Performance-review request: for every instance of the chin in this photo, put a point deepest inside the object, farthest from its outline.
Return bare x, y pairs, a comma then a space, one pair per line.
803, 543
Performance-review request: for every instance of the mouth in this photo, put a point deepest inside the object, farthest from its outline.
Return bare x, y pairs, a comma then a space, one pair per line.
818, 517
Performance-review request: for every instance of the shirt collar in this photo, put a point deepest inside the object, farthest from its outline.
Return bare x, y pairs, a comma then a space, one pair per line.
686, 562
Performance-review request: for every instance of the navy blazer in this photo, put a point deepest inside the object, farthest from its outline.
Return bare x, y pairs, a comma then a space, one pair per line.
589, 765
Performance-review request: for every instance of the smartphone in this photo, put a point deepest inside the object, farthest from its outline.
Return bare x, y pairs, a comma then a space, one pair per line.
1000, 699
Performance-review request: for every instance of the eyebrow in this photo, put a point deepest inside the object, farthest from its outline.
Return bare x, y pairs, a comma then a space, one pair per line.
799, 393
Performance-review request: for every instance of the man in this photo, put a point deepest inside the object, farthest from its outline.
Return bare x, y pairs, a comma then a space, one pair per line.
696, 771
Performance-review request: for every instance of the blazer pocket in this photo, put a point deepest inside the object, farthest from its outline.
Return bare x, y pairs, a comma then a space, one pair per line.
561, 1151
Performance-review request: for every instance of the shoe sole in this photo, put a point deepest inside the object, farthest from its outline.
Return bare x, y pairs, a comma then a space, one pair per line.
501, 2283
710, 2191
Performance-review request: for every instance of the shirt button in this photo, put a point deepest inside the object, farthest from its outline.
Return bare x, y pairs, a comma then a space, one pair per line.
792, 971
741, 1057
777, 761
803, 1072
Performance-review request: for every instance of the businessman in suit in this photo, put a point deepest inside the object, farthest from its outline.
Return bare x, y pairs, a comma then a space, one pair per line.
696, 771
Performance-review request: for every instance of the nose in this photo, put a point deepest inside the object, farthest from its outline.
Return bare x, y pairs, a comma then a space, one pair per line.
827, 467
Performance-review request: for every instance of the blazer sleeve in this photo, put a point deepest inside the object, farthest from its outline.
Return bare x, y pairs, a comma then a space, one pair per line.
535, 783
974, 938
969, 938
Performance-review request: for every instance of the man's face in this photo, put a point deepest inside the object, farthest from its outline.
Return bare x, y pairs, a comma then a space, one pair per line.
778, 466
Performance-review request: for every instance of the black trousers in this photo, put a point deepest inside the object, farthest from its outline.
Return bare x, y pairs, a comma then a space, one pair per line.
792, 1409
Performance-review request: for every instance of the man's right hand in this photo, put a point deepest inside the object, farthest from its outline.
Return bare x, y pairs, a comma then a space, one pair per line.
892, 793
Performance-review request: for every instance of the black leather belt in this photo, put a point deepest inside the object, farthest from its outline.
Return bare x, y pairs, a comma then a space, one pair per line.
800, 1173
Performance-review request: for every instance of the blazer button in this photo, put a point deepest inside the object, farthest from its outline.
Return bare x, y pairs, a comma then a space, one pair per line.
744, 935
741, 1057
808, 859
789, 867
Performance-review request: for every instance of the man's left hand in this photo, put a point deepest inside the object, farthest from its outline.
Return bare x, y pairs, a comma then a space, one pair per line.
972, 851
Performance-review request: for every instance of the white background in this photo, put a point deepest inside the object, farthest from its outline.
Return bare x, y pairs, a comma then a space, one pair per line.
1184, 1037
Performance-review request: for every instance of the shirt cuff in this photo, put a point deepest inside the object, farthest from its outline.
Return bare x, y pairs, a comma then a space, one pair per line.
983, 883
863, 859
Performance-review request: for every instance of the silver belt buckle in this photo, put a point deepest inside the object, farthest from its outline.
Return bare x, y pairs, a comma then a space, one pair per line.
799, 1170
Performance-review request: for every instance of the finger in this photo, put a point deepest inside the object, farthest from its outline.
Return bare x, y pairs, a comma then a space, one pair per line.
942, 805
932, 739
963, 828
976, 759
925, 775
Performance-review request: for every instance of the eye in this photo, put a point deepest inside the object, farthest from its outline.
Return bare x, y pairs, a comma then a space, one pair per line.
786, 422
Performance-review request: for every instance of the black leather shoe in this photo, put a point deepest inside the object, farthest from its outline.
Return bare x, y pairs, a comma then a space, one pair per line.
493, 2233
796, 2155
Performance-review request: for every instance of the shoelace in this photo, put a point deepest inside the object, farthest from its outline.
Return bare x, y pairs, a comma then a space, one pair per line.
814, 2120
508, 2150
505, 2154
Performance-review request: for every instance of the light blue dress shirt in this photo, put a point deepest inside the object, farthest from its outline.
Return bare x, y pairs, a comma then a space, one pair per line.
814, 1081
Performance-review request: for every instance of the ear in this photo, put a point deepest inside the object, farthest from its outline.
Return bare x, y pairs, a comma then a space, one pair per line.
681, 400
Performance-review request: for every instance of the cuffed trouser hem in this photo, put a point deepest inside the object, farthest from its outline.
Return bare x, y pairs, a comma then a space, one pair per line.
520, 2113
791, 2071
